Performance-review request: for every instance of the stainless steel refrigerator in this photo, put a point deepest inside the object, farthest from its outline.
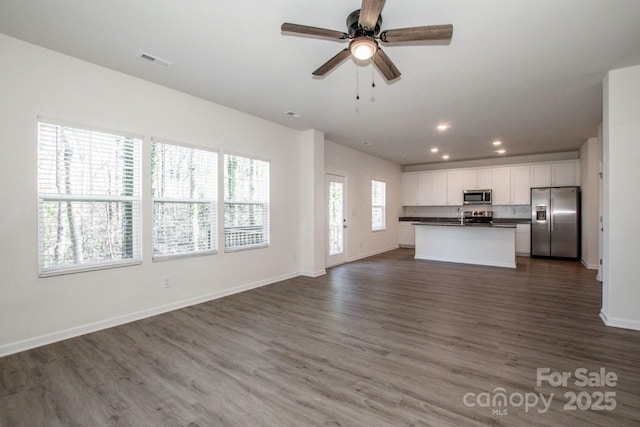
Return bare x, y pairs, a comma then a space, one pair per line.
555, 222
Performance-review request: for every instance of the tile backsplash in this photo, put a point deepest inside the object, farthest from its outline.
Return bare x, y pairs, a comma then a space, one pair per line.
451, 211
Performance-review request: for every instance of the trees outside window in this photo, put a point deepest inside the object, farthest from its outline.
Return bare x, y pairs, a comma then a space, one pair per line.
378, 205
246, 202
184, 192
88, 198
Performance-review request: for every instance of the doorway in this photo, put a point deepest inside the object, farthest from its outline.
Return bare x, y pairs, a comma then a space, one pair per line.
336, 221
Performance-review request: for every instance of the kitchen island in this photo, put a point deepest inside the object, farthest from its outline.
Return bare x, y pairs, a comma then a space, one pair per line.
482, 244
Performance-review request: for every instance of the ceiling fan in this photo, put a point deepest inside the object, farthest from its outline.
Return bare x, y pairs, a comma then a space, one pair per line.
363, 33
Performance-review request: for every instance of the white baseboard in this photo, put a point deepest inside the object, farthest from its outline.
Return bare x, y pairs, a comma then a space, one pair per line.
313, 273
604, 316
50, 338
368, 254
589, 266
619, 323
471, 261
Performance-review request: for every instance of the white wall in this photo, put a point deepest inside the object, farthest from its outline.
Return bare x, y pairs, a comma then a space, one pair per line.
621, 157
36, 81
589, 180
311, 208
359, 169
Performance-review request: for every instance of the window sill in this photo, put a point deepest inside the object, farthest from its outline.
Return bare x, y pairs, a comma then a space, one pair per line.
173, 257
245, 248
376, 230
93, 267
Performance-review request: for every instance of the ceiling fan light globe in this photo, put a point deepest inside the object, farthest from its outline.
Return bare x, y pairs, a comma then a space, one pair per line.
363, 48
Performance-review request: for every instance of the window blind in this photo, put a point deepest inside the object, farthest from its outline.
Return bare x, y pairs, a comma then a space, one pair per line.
184, 191
88, 199
378, 205
246, 202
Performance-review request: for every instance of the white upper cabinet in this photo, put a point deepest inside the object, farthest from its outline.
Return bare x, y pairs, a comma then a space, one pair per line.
555, 174
456, 181
485, 179
432, 188
520, 185
541, 176
477, 179
565, 174
511, 185
501, 186
410, 189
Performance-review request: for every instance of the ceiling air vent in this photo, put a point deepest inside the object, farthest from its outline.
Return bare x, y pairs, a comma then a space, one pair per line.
159, 61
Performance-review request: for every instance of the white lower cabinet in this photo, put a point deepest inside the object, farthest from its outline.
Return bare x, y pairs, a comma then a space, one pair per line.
523, 239
407, 235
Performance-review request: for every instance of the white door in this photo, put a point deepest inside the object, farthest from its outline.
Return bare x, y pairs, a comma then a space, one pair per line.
336, 221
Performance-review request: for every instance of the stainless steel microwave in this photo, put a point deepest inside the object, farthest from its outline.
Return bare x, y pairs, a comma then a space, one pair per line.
477, 197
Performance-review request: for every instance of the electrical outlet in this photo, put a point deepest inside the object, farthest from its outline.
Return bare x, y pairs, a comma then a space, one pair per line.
166, 283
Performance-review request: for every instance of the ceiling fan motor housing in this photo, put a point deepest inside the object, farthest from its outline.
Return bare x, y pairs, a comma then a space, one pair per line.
363, 33
354, 28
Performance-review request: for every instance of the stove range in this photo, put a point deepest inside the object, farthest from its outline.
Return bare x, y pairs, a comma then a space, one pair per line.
478, 217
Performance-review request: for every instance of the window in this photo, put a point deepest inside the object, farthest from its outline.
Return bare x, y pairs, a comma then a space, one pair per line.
184, 192
378, 203
88, 199
246, 203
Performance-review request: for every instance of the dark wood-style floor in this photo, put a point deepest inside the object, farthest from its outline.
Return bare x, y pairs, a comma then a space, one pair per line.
383, 341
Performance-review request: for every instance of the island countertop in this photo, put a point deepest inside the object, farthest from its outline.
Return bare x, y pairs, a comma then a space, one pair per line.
428, 219
466, 225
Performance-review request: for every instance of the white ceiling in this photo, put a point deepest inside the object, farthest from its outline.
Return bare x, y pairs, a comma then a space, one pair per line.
528, 72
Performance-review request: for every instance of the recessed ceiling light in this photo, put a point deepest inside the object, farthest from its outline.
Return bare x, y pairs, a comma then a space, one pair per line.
497, 142
442, 127
445, 157
292, 114
501, 151
434, 150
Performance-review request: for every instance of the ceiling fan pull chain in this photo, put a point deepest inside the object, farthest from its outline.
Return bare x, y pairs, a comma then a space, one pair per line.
373, 77
357, 84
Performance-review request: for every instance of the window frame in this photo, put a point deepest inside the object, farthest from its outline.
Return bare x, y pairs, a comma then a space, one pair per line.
382, 206
135, 200
266, 228
214, 204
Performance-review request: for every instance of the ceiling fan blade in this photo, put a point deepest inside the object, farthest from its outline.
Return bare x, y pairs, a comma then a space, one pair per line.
431, 32
313, 31
385, 65
369, 13
332, 63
